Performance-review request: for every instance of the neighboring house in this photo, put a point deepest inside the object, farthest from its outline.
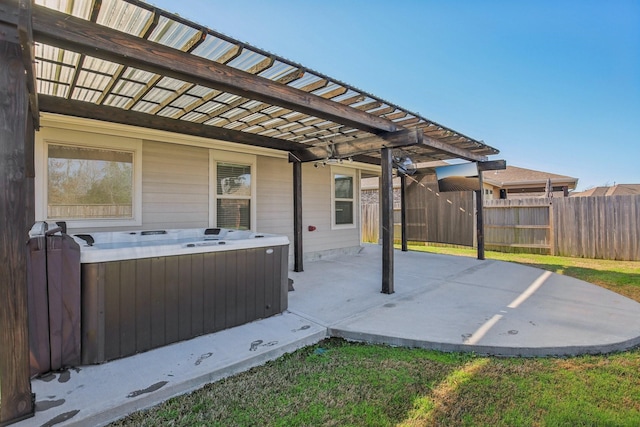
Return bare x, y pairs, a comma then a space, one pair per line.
615, 190
514, 182
370, 189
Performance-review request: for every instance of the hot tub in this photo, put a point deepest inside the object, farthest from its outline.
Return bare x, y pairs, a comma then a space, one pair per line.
145, 289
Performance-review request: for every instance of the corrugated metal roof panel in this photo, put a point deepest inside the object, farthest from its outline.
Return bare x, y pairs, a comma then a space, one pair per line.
138, 75
246, 60
124, 87
169, 112
79, 9
87, 95
117, 101
232, 113
277, 70
209, 107
171, 84
123, 16
172, 34
184, 101
200, 91
213, 48
99, 65
253, 104
306, 80
216, 121
192, 116
157, 95
226, 98
144, 107
91, 80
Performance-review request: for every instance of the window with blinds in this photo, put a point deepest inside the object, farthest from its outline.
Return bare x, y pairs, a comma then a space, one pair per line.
233, 196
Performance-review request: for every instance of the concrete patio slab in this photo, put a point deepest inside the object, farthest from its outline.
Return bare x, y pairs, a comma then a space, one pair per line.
440, 302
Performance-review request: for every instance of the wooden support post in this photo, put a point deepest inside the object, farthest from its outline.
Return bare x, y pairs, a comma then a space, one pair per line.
386, 201
403, 211
297, 217
479, 217
16, 401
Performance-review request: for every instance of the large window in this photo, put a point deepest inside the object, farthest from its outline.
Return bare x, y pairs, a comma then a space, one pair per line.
89, 183
88, 179
233, 190
343, 190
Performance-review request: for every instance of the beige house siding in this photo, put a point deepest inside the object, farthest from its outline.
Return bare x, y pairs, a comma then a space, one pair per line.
175, 186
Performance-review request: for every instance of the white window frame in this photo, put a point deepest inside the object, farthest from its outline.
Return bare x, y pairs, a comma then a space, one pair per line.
215, 157
354, 174
55, 136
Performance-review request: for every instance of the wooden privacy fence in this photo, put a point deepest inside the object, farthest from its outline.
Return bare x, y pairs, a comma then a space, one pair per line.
370, 223
606, 227
449, 219
519, 225
442, 218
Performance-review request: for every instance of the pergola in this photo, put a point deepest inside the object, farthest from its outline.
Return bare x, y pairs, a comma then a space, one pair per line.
128, 62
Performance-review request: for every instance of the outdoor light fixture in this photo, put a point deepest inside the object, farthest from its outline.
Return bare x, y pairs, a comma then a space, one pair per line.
404, 165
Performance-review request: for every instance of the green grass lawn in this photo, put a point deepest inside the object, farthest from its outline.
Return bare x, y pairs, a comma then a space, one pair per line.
336, 383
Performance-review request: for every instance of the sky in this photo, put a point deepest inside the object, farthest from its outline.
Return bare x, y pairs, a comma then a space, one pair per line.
553, 84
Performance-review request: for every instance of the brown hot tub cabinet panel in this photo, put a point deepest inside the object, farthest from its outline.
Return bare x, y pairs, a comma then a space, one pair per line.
130, 306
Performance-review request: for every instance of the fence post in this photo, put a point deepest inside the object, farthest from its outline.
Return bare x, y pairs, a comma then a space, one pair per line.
403, 211
552, 234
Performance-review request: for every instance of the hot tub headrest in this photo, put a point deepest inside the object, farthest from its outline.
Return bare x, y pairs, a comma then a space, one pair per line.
86, 237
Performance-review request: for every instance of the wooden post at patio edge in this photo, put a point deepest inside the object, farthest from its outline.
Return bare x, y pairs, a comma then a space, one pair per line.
386, 202
16, 399
479, 217
297, 217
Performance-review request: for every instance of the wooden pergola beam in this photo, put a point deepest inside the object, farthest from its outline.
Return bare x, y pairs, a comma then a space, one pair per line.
68, 107
341, 150
84, 37
492, 165
452, 150
403, 138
